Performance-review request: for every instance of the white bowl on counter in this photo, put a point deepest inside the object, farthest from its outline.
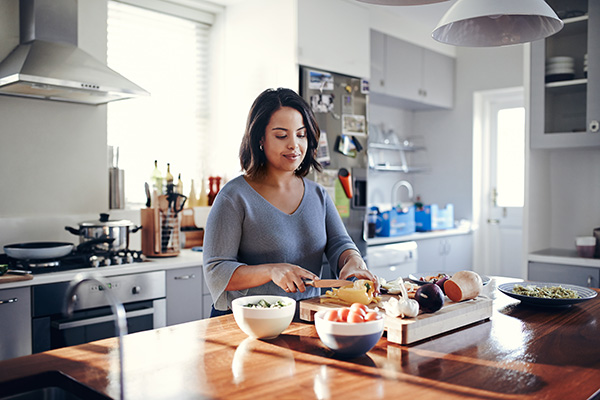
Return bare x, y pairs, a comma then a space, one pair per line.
263, 323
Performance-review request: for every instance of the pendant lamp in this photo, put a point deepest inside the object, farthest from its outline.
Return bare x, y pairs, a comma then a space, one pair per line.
401, 2
488, 23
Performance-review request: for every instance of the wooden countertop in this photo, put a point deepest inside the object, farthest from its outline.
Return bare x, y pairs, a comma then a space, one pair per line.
520, 353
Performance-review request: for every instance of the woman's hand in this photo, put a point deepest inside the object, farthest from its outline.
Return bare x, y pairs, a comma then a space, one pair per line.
290, 277
353, 266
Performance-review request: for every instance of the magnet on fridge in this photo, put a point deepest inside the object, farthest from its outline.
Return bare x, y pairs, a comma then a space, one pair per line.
345, 145
357, 144
346, 181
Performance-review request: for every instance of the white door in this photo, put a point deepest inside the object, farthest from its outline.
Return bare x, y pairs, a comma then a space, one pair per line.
502, 118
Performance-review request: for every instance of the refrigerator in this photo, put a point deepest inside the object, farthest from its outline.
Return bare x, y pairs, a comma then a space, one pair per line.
339, 103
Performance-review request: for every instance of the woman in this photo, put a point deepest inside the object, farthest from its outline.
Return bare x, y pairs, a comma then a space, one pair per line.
268, 229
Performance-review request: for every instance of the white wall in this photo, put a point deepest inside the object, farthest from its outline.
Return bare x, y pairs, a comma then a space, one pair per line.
449, 134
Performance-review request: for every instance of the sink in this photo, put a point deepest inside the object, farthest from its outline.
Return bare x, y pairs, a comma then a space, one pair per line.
51, 385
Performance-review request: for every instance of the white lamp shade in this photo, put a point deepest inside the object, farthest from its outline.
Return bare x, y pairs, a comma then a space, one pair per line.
487, 23
401, 2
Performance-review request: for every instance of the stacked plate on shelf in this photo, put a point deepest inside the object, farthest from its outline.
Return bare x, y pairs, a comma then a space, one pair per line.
560, 68
585, 58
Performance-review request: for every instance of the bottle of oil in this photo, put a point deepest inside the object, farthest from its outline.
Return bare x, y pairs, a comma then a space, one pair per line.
157, 179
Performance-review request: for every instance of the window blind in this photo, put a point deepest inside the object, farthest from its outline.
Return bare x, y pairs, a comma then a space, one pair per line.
168, 56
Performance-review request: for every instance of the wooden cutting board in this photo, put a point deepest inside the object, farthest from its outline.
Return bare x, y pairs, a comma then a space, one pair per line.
14, 278
410, 330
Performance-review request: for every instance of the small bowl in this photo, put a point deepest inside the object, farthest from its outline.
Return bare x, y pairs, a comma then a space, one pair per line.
348, 339
263, 323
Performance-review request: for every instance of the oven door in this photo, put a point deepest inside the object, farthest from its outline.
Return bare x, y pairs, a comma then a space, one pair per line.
55, 331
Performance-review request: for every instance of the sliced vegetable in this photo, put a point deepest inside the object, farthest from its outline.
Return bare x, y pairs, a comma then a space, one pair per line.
463, 285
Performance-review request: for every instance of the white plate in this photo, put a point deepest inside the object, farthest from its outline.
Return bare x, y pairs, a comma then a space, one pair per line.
583, 292
559, 59
416, 278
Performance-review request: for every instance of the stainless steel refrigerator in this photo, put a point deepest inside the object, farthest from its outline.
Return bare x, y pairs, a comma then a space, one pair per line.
340, 106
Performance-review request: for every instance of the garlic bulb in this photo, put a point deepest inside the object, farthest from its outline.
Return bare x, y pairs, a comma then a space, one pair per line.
403, 306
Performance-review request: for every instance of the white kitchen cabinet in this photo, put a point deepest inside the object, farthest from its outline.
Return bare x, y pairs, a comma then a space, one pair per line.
333, 35
185, 295
566, 113
568, 274
418, 77
15, 328
446, 254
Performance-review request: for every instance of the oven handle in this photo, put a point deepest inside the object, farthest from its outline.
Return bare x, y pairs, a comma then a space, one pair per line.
98, 320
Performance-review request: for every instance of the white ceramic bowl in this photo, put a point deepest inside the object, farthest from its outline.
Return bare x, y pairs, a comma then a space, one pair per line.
263, 323
348, 339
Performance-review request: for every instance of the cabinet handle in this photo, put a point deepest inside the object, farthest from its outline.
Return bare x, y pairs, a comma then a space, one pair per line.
590, 280
185, 277
13, 300
594, 126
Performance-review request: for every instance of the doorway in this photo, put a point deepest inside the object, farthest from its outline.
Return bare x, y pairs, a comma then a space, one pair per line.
498, 181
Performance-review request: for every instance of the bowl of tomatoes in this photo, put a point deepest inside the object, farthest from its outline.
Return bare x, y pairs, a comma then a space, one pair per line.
349, 331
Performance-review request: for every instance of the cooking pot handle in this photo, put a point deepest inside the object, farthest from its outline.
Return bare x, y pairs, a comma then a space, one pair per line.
137, 228
73, 230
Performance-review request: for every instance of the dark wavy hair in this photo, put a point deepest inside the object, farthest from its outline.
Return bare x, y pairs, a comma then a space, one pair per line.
252, 159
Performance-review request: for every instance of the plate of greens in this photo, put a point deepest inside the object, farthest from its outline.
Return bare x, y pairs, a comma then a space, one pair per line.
547, 294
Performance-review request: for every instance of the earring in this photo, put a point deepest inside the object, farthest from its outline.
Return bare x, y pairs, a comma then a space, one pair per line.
261, 147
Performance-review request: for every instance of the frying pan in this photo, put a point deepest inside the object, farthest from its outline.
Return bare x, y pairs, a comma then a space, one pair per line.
38, 250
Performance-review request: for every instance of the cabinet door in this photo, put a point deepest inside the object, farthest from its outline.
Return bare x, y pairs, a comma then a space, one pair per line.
339, 44
15, 328
430, 256
377, 80
569, 274
458, 253
566, 113
438, 79
184, 295
403, 69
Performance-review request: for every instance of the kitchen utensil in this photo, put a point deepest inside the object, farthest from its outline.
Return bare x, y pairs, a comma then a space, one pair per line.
103, 228
148, 197
38, 250
346, 181
321, 283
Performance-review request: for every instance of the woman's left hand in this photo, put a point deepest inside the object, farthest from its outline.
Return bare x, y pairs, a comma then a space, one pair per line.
355, 267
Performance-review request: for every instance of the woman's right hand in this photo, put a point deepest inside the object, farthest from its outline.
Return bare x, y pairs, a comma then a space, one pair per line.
290, 277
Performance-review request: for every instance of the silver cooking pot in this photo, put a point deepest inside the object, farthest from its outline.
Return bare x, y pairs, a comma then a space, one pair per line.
105, 228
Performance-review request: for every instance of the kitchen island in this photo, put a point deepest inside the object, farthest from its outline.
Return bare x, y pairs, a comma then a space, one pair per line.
522, 352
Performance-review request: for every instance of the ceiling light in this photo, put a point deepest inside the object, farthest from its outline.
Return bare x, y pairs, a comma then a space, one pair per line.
486, 23
401, 2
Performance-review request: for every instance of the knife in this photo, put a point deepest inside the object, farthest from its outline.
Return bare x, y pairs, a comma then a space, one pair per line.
320, 283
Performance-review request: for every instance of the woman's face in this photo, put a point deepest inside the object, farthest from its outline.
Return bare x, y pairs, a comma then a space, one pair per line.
285, 140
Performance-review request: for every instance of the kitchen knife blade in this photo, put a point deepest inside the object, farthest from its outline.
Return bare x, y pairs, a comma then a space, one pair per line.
321, 283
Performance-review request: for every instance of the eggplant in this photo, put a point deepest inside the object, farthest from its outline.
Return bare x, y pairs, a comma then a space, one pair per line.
430, 298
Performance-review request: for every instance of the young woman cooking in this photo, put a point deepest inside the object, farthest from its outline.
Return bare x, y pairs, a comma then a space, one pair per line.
269, 228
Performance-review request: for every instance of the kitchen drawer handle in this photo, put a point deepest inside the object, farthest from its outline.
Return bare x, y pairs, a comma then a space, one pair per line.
13, 300
98, 320
185, 277
589, 281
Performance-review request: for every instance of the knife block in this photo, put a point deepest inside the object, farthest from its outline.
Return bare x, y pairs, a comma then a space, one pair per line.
160, 233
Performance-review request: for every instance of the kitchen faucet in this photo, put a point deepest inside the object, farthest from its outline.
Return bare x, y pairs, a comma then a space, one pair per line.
117, 309
397, 186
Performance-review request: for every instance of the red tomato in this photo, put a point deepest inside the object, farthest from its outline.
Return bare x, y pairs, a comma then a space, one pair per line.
355, 317
372, 316
331, 315
342, 314
359, 308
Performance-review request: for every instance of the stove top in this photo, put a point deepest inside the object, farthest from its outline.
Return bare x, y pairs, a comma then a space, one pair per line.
75, 260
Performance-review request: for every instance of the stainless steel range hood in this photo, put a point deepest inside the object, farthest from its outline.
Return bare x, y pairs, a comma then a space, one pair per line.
47, 64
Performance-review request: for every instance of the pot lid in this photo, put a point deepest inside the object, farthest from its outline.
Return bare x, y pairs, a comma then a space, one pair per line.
106, 221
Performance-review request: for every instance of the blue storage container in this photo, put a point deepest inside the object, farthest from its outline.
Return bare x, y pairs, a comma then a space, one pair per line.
395, 222
433, 218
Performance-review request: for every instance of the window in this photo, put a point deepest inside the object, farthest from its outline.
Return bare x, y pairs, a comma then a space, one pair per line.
167, 55
510, 157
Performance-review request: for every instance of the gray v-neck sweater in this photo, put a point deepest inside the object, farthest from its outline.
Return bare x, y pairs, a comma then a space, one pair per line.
244, 228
